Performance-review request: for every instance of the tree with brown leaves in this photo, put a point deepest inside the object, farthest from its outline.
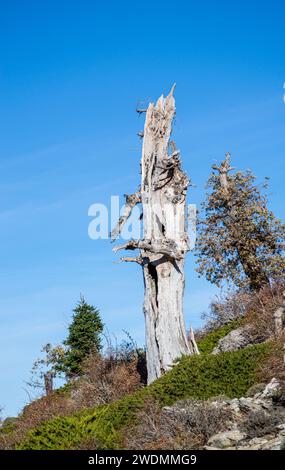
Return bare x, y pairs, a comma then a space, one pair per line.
239, 239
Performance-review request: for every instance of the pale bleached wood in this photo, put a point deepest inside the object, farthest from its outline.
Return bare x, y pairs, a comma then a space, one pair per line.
192, 342
165, 242
223, 170
159, 247
279, 319
131, 201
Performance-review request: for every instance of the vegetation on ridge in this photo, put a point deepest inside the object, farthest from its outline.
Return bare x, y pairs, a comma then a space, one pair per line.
199, 377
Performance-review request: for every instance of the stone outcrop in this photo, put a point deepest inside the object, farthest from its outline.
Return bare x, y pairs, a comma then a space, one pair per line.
236, 339
235, 440
251, 423
226, 439
243, 423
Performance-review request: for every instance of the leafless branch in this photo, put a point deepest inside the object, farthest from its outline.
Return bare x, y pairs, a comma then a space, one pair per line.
131, 201
137, 259
162, 247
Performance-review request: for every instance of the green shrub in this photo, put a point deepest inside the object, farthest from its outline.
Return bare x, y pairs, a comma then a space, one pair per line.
8, 425
210, 341
256, 388
200, 377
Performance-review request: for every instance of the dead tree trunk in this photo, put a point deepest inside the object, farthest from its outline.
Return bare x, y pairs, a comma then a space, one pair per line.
48, 379
279, 319
165, 242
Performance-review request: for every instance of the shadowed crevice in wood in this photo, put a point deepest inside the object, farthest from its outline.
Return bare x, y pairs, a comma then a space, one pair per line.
153, 276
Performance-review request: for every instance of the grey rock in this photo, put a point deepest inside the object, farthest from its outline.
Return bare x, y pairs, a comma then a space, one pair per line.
271, 389
226, 439
236, 339
269, 443
236, 437
234, 434
247, 405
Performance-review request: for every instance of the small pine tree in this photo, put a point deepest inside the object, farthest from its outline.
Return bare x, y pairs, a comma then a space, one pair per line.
239, 239
84, 337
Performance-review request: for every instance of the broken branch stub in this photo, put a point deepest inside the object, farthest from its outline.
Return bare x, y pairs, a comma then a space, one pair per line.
131, 201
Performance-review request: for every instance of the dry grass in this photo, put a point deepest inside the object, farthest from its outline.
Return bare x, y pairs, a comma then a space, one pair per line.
106, 380
259, 423
255, 309
188, 426
226, 308
260, 310
274, 364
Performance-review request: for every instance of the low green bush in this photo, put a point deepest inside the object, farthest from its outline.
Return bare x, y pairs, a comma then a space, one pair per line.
210, 341
8, 425
200, 377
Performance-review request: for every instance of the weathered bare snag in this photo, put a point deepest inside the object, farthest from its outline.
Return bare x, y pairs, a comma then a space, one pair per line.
165, 242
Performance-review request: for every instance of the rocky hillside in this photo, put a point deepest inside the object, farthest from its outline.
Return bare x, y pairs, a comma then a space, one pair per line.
231, 396
201, 377
250, 423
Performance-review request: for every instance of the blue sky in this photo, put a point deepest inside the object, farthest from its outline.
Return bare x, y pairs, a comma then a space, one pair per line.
71, 76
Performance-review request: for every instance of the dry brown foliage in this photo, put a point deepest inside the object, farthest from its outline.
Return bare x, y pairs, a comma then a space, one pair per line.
188, 427
273, 366
255, 309
106, 380
259, 423
226, 308
260, 310
37, 412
